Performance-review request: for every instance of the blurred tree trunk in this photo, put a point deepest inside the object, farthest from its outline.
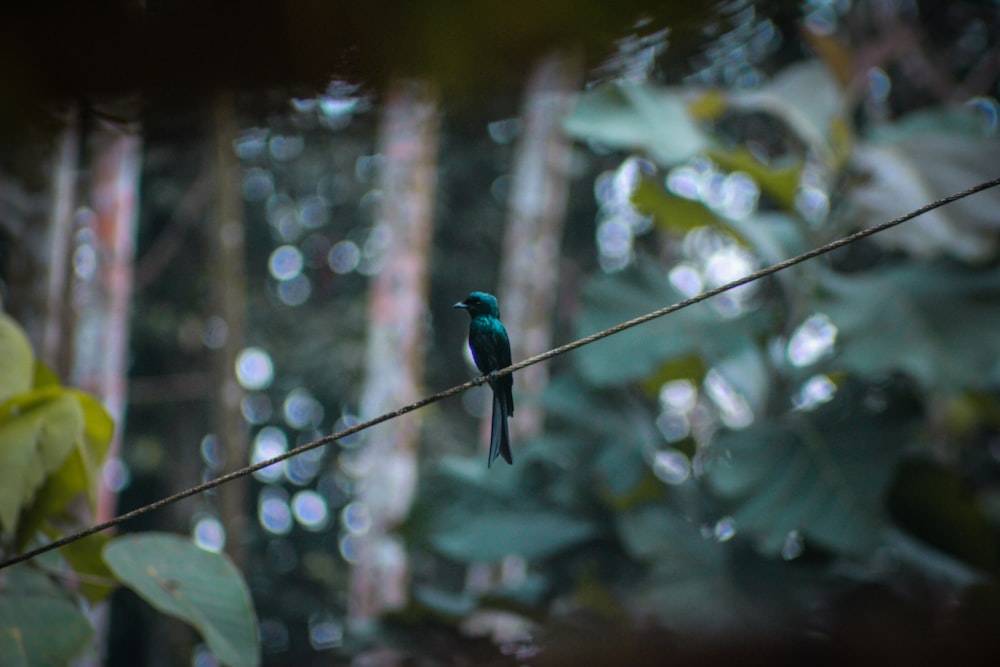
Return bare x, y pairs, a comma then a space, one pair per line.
37, 203
58, 316
103, 260
529, 269
228, 298
395, 351
102, 285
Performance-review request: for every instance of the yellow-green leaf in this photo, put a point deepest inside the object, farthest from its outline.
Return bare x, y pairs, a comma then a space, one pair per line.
669, 211
17, 361
38, 430
781, 183
79, 473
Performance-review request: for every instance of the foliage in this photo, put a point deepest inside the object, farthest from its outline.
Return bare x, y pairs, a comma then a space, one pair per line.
194, 585
801, 459
53, 442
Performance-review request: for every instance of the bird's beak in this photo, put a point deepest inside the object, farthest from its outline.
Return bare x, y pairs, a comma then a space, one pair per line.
461, 304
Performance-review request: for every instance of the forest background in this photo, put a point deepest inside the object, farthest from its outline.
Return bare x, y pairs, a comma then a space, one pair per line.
227, 229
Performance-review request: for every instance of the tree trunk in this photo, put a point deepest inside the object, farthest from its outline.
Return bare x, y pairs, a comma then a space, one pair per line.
54, 349
396, 346
227, 277
102, 288
529, 270
103, 299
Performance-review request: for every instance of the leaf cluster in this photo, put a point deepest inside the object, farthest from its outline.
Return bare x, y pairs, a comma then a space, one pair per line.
53, 443
796, 477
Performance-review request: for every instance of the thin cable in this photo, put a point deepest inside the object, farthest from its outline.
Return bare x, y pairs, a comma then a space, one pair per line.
247, 470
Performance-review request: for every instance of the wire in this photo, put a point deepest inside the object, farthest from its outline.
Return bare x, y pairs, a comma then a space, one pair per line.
357, 428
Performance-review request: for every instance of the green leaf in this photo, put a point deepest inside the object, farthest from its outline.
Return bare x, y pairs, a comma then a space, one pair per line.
85, 556
38, 430
780, 182
98, 431
80, 473
622, 476
654, 531
495, 534
470, 514
823, 473
593, 411
450, 605
944, 322
610, 299
692, 582
923, 158
200, 587
39, 625
17, 361
44, 376
806, 96
670, 212
638, 117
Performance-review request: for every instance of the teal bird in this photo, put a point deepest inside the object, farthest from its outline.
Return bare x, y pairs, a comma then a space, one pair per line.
491, 352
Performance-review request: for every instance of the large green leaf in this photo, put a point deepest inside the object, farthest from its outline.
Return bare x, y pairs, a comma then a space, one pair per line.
696, 583
38, 430
494, 534
806, 96
923, 158
641, 117
79, 474
39, 625
823, 473
17, 361
200, 587
938, 323
473, 515
610, 299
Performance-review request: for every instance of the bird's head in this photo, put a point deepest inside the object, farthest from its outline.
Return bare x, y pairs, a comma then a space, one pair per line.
480, 303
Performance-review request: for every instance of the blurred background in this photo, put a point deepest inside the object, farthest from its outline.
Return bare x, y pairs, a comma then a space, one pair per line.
243, 226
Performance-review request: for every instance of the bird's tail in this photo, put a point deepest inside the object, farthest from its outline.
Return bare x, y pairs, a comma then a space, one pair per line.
499, 432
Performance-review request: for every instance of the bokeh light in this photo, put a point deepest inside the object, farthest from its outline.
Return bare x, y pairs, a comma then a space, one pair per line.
302, 469
256, 408
344, 257
724, 529
215, 333
815, 391
325, 632
270, 442
286, 262
258, 184
310, 510
116, 474
209, 534
294, 291
211, 453
793, 545
671, 466
254, 369
301, 410
812, 340
273, 511
734, 411
356, 518
314, 211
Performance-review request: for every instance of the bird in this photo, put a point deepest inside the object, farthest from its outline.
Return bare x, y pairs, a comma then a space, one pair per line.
491, 351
